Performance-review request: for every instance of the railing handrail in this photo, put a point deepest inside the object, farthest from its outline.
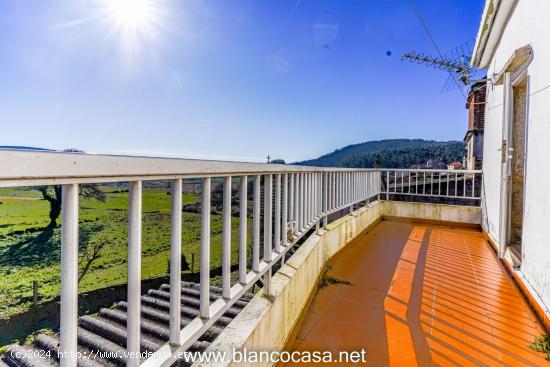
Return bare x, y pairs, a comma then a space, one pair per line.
432, 183
432, 170
35, 168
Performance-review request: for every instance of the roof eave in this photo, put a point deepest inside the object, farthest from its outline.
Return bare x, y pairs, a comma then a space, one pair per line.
493, 22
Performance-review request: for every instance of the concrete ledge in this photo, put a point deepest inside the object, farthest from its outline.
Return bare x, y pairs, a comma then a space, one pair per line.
441, 213
265, 324
528, 291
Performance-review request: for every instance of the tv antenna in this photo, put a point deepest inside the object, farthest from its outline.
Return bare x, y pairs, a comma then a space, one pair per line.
456, 63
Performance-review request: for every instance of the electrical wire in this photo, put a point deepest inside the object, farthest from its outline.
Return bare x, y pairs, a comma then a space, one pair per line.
291, 14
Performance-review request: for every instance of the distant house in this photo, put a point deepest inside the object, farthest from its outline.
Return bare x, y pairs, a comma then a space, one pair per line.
475, 105
435, 164
454, 165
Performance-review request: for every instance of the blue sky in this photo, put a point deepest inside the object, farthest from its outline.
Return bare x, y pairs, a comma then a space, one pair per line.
230, 80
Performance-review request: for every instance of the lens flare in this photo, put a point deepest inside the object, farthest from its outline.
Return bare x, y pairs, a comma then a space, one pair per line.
131, 14
136, 26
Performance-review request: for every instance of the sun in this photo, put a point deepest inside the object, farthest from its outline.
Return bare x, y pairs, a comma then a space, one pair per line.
136, 29
131, 14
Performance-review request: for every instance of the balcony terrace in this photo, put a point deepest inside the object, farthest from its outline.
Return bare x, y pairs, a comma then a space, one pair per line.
426, 287
422, 295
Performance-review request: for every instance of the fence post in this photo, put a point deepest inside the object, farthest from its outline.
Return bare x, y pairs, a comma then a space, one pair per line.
34, 293
205, 250
69, 275
175, 263
226, 238
243, 216
268, 182
134, 275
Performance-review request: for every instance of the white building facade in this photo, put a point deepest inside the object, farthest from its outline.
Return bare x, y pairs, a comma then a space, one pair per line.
513, 44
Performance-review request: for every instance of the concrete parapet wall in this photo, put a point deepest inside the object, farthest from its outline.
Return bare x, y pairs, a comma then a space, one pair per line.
433, 212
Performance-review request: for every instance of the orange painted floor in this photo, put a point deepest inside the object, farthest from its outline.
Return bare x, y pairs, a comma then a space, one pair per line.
422, 295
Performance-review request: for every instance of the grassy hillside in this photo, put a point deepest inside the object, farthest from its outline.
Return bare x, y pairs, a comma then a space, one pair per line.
30, 252
394, 153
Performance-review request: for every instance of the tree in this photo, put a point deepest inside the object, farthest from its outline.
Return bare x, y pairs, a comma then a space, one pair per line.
91, 251
52, 194
278, 161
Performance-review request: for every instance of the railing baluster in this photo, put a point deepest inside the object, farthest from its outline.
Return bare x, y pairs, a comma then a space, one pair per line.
314, 199
424, 183
325, 199
300, 200
332, 185
315, 204
356, 187
335, 177
331, 191
349, 185
448, 183
205, 250
313, 207
285, 210
256, 224
387, 185
175, 263
308, 199
226, 238
268, 197
243, 223
344, 184
290, 199
268, 182
456, 184
69, 275
277, 219
368, 185
473, 184
464, 193
342, 189
350, 188
134, 275
305, 199
318, 197
296, 202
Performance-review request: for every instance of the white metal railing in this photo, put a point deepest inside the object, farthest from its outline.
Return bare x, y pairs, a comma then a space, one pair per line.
450, 184
294, 197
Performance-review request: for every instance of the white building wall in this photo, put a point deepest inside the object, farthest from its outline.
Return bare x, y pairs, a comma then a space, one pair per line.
529, 24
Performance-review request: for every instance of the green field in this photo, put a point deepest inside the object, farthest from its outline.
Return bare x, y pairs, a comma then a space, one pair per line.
30, 252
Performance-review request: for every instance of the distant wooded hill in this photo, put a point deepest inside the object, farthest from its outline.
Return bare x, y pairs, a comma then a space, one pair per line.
21, 147
392, 153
